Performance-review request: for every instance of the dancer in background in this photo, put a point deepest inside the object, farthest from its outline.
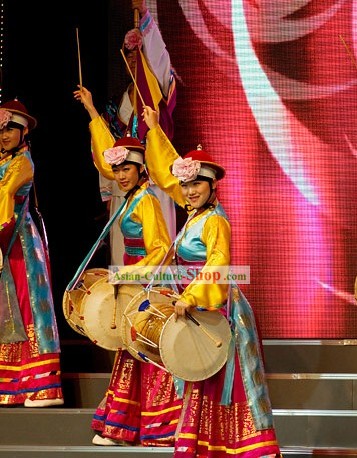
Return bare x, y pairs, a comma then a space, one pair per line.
229, 414
143, 45
29, 343
141, 406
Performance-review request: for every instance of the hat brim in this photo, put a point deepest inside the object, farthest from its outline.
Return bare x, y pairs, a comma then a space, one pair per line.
220, 171
32, 122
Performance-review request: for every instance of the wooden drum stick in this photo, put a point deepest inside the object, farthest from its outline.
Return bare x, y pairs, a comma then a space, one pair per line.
79, 60
218, 343
132, 77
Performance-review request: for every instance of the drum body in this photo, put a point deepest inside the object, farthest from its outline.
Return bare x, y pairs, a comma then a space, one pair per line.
72, 302
192, 350
92, 310
144, 317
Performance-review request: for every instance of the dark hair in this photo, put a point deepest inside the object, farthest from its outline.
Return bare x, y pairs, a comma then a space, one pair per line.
14, 125
203, 178
200, 178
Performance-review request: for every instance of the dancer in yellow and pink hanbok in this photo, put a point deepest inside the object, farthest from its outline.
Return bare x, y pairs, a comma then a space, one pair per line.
29, 343
141, 405
228, 414
148, 58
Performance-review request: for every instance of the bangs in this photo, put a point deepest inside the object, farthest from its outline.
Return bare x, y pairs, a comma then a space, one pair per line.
14, 125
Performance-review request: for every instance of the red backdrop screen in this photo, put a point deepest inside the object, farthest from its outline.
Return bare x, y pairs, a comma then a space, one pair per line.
268, 87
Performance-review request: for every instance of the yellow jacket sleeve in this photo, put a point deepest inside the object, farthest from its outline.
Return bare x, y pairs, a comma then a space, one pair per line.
19, 172
101, 139
155, 234
159, 156
210, 288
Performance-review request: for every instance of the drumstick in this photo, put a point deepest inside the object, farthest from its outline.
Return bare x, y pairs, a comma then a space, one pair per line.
114, 318
132, 77
79, 60
218, 343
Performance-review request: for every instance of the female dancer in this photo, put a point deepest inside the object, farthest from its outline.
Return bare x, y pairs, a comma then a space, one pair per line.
141, 405
228, 414
120, 114
29, 343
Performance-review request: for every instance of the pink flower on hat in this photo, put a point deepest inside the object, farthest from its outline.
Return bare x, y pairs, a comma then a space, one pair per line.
116, 155
5, 117
133, 39
185, 169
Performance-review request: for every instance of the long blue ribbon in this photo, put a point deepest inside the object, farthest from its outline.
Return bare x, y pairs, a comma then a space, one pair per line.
71, 285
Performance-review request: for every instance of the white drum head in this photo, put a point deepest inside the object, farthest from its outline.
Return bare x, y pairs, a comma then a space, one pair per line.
186, 350
103, 315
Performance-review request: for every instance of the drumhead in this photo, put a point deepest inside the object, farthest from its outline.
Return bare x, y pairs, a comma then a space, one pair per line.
101, 312
186, 350
72, 302
133, 340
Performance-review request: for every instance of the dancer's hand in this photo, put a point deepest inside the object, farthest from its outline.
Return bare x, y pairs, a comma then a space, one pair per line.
151, 117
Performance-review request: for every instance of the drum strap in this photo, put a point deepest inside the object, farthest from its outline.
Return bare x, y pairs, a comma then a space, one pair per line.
72, 284
169, 252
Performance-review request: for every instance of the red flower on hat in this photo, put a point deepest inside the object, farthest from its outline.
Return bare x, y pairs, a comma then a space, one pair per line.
5, 117
133, 39
186, 169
